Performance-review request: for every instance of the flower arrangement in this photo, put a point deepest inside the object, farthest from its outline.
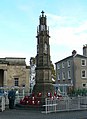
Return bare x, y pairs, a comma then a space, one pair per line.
36, 100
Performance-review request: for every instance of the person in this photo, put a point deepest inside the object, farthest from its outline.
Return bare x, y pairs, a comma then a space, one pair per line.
11, 97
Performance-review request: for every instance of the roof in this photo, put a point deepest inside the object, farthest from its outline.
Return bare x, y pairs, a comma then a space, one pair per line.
13, 60
77, 55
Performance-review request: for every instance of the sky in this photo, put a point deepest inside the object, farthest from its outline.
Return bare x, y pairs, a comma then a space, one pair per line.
67, 21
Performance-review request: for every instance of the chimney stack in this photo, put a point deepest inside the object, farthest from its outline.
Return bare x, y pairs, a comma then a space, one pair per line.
74, 52
85, 50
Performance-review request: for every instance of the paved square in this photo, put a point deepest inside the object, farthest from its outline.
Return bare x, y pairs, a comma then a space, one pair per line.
32, 114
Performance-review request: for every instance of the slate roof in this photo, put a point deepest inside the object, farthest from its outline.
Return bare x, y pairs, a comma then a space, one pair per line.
76, 55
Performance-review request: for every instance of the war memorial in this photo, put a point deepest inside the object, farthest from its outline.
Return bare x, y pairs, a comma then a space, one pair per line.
43, 69
43, 87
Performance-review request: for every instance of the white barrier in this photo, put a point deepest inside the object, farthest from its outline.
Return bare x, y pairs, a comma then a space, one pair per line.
2, 103
68, 104
20, 96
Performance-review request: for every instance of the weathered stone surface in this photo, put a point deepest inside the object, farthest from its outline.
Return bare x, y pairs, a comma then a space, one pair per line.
14, 68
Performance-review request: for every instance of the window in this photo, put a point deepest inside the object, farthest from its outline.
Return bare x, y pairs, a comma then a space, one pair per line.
45, 48
63, 75
83, 74
68, 63
59, 76
58, 66
16, 81
63, 65
42, 27
84, 85
69, 74
83, 62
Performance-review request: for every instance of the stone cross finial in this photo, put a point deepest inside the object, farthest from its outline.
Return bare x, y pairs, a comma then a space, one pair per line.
42, 13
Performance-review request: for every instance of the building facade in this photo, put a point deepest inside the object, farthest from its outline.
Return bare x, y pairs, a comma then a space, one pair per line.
14, 73
71, 72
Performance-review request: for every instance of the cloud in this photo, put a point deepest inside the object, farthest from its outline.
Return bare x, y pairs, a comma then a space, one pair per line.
24, 8
67, 34
27, 55
82, 28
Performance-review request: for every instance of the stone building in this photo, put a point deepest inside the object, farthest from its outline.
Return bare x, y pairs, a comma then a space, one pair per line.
71, 72
14, 72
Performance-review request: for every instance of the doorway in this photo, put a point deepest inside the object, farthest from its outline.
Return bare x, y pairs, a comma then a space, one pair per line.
1, 77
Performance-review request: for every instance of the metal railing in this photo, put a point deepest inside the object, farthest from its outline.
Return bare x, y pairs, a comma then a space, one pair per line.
2, 103
67, 104
20, 96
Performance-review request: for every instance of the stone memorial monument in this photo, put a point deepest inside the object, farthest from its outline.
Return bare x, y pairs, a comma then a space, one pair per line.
43, 63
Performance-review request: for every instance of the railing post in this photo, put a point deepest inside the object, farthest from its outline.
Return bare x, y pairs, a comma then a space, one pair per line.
46, 104
78, 102
2, 103
23, 92
55, 104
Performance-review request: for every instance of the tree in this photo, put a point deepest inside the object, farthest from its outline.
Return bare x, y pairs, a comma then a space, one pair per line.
53, 72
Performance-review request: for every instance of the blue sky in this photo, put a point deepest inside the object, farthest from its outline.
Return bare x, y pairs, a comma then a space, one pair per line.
67, 21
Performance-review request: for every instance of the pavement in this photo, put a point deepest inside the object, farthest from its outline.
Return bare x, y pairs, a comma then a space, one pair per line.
37, 114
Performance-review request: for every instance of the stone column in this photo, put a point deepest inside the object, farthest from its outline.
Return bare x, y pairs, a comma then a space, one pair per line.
5, 77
